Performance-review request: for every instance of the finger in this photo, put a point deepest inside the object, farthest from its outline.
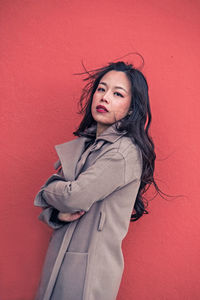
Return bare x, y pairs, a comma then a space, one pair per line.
76, 216
81, 213
68, 217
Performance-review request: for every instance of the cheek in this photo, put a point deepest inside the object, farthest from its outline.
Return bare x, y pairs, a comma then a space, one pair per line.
122, 109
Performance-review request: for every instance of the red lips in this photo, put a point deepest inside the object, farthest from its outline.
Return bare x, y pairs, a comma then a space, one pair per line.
101, 108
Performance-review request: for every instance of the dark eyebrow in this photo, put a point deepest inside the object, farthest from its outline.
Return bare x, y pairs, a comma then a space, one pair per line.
117, 87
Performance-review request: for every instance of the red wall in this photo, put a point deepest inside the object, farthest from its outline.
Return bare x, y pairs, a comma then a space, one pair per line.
42, 44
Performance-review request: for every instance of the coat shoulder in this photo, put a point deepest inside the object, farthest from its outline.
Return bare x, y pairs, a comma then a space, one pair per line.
132, 156
126, 146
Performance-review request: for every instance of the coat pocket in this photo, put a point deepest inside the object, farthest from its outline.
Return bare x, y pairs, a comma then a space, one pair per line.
71, 278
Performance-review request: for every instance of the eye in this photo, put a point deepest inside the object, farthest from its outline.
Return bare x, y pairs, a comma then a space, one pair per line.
118, 94
100, 89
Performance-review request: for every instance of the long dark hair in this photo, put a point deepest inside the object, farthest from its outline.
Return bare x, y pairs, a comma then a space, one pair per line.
136, 123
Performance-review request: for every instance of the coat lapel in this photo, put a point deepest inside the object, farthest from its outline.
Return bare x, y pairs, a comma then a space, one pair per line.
69, 154
82, 160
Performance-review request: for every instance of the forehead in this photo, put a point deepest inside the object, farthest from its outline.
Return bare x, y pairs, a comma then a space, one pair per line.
116, 78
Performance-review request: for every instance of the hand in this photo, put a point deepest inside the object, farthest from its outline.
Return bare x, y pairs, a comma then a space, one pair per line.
68, 217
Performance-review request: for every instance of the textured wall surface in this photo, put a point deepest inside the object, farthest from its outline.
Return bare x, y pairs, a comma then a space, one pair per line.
42, 43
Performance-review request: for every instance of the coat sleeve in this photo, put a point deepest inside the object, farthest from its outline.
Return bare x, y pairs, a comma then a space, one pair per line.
49, 217
105, 176
49, 213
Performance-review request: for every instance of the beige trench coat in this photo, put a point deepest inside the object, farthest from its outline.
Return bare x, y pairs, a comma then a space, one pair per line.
84, 260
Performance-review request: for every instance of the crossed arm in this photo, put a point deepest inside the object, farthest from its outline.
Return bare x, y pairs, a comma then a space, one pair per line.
73, 198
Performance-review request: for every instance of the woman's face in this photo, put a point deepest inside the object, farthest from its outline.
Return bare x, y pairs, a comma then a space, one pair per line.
111, 100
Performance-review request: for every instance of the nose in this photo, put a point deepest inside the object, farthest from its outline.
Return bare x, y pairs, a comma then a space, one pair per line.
106, 97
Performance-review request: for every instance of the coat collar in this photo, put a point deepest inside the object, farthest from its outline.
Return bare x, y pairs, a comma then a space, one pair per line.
70, 152
111, 134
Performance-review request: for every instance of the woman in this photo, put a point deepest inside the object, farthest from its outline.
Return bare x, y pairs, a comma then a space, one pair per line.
101, 176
